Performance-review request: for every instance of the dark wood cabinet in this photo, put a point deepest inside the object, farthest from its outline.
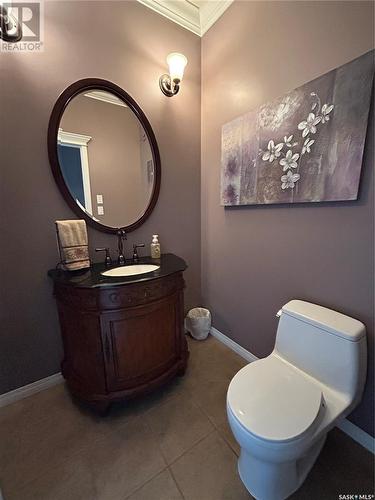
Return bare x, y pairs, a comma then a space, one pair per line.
122, 340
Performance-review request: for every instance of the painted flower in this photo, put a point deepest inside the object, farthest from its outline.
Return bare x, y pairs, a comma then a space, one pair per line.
326, 109
309, 125
273, 151
230, 195
307, 145
232, 167
290, 160
289, 180
288, 141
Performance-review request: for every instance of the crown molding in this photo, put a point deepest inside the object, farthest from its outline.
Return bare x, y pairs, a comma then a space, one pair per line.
196, 15
99, 95
72, 138
210, 12
183, 12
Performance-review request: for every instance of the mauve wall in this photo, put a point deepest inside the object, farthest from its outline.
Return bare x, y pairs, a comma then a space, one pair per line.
131, 53
254, 259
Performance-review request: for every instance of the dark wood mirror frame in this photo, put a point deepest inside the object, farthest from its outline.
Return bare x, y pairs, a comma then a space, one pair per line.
53, 128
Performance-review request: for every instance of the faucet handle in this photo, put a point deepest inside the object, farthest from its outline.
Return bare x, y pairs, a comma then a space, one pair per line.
135, 252
107, 260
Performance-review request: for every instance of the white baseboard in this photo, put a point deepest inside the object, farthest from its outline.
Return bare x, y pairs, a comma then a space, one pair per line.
356, 433
29, 389
233, 345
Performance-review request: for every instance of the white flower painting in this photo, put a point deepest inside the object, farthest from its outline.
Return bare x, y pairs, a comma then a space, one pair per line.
289, 180
306, 146
272, 152
326, 109
309, 125
289, 160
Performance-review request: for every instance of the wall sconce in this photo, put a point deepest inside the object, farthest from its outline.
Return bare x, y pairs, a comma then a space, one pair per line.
10, 28
170, 83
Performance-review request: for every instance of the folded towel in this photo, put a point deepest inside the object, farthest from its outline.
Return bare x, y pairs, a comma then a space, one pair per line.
73, 244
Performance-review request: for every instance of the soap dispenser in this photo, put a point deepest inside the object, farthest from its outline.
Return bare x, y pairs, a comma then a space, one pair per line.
155, 247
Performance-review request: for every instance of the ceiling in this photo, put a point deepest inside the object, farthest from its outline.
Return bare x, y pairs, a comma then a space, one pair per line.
195, 15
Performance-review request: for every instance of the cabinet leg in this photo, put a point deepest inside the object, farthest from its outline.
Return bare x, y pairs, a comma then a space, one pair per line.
181, 371
100, 407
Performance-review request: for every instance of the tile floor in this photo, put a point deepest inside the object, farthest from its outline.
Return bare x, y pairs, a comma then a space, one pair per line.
172, 445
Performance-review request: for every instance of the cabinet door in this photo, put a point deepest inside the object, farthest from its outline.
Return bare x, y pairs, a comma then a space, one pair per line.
140, 343
83, 364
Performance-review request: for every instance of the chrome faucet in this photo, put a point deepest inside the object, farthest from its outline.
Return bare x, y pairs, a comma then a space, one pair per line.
121, 237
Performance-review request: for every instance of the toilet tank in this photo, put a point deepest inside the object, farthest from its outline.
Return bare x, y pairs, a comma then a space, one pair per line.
325, 344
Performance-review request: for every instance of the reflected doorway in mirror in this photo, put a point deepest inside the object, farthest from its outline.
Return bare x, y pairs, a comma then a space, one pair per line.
73, 157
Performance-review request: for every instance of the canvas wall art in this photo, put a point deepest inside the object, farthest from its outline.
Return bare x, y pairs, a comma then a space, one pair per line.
305, 146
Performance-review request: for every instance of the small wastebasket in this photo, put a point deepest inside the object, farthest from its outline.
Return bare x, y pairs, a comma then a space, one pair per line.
198, 323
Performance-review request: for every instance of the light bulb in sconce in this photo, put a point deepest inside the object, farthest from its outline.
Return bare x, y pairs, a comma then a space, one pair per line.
176, 63
170, 83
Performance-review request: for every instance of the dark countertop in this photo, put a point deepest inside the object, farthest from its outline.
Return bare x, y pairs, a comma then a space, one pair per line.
92, 278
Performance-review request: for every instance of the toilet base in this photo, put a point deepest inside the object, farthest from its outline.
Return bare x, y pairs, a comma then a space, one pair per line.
276, 480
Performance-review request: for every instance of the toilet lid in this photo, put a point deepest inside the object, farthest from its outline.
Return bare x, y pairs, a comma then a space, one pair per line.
273, 400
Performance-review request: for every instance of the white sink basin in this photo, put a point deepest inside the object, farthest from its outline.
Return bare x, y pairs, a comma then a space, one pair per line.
133, 270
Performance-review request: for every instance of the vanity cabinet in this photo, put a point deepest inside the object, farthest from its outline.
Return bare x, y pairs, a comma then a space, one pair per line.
122, 336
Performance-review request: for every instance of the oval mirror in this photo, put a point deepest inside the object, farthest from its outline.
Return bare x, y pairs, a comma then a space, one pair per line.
104, 155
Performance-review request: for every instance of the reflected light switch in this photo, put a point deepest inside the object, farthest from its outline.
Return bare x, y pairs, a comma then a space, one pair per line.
100, 210
99, 199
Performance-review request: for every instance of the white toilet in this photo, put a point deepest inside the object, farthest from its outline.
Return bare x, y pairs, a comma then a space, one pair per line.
280, 408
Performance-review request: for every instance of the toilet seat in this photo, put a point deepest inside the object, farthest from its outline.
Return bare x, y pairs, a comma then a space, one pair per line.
273, 401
